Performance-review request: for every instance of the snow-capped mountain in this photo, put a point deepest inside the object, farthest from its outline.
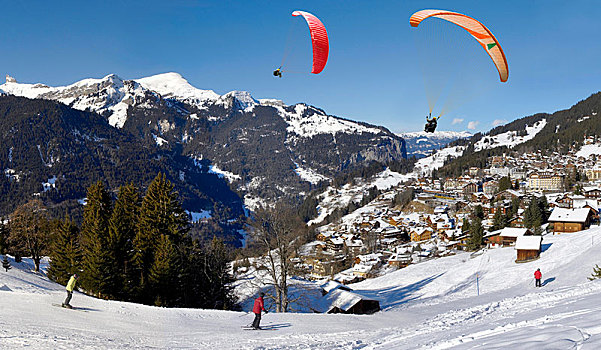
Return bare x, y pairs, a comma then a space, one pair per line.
270, 150
420, 144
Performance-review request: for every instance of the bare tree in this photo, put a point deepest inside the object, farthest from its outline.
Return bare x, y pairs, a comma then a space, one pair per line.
30, 230
278, 232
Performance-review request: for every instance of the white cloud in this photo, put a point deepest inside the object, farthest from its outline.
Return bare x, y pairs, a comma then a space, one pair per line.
498, 122
457, 121
472, 125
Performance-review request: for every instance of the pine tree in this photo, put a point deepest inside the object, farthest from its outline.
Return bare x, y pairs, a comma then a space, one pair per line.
93, 240
122, 231
160, 214
65, 252
162, 273
504, 184
218, 276
476, 235
3, 236
6, 264
596, 273
478, 212
500, 220
465, 227
515, 206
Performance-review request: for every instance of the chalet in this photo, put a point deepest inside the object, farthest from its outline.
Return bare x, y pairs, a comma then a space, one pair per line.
570, 220
362, 271
592, 192
480, 197
505, 237
420, 234
335, 244
324, 236
354, 246
528, 248
346, 302
508, 195
470, 188
399, 260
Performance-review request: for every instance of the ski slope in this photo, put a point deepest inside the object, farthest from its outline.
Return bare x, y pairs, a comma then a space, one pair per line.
430, 305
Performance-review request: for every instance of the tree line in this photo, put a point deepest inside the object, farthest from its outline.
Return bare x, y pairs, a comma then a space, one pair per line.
135, 248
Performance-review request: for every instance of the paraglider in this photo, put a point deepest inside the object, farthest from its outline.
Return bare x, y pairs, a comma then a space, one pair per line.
477, 31
431, 123
319, 42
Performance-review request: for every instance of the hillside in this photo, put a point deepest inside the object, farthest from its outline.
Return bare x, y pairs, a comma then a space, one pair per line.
431, 305
557, 132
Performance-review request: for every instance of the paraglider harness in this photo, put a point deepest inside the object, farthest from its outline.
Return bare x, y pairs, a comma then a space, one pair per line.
277, 72
431, 123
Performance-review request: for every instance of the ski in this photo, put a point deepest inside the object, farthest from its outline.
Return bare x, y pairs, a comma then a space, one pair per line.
70, 308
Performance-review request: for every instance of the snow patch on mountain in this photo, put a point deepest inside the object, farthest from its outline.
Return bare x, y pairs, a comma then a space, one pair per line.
309, 175
307, 121
241, 100
510, 138
425, 166
231, 177
588, 150
173, 85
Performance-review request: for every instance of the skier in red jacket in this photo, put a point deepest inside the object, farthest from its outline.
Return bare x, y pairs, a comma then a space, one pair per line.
257, 308
537, 277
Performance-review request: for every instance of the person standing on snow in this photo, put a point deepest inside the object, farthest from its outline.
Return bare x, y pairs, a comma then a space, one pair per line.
257, 308
70, 287
537, 277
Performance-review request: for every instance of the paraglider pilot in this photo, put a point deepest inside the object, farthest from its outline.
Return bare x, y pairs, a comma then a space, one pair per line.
277, 72
431, 123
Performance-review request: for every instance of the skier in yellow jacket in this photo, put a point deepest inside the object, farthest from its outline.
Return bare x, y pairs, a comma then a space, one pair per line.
70, 287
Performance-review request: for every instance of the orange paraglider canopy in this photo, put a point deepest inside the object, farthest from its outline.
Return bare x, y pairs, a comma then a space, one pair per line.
476, 29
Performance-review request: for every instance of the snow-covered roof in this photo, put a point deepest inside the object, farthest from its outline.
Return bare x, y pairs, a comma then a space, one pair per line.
333, 285
569, 215
513, 232
341, 299
528, 242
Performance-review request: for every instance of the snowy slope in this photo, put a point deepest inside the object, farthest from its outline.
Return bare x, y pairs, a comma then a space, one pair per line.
510, 138
173, 85
307, 121
333, 198
588, 150
425, 166
431, 305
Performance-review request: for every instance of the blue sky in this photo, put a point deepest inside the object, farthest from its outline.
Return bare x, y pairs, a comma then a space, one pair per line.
372, 74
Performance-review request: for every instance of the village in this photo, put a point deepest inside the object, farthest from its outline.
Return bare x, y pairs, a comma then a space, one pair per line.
379, 238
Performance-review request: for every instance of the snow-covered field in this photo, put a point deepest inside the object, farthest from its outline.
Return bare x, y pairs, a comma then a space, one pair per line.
430, 305
510, 138
588, 150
